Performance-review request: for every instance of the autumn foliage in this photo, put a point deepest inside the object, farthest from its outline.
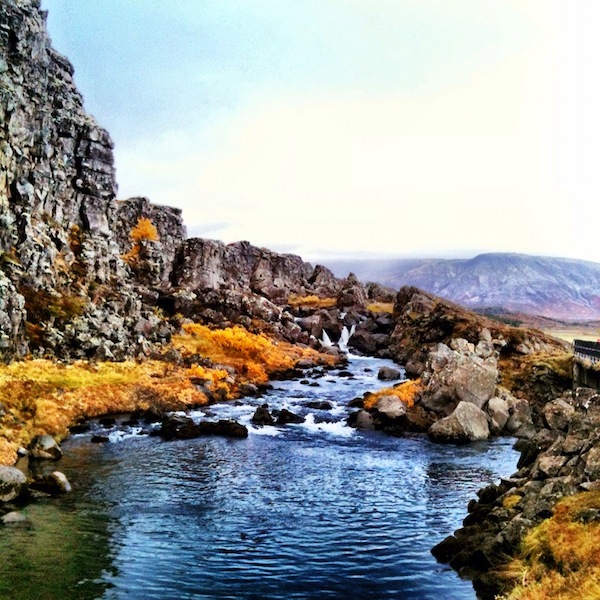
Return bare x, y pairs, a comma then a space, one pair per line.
254, 356
559, 558
42, 396
406, 391
142, 232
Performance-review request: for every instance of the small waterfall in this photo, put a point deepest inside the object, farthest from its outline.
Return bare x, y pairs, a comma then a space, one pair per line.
345, 338
326, 340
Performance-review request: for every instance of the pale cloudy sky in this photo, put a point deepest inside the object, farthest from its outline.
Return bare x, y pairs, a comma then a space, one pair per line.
361, 127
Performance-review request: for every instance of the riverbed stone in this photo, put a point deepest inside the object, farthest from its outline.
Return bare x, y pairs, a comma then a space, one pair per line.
466, 424
388, 374
45, 447
14, 518
12, 483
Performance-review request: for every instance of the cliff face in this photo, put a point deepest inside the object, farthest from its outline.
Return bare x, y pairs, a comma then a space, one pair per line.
65, 288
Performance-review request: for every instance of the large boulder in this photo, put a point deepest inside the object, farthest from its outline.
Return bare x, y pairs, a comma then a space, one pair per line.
558, 414
352, 294
466, 424
388, 374
391, 407
12, 483
459, 376
498, 412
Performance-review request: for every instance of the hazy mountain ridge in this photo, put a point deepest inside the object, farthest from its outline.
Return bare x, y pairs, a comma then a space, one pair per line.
558, 288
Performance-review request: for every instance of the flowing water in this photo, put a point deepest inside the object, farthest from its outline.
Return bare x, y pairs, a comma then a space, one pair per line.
309, 511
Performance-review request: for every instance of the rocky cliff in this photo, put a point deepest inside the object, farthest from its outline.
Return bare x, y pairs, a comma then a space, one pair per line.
64, 288
73, 281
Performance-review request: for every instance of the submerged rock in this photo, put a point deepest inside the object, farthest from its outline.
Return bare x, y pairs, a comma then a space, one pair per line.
14, 518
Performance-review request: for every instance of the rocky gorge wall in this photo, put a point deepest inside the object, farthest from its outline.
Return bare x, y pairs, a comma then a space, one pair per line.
65, 288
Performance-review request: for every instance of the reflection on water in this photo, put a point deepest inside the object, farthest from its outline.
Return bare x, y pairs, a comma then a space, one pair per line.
302, 512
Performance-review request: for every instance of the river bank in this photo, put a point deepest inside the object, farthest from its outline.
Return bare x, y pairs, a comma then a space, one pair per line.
306, 510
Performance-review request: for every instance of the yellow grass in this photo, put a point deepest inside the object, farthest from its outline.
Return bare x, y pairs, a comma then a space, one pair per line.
253, 356
311, 301
406, 391
559, 558
381, 307
42, 396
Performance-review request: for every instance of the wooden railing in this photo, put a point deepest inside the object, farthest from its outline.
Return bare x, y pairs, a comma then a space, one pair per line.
587, 350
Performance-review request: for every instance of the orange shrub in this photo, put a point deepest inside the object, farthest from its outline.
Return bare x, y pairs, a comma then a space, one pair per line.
253, 356
144, 230
311, 301
406, 391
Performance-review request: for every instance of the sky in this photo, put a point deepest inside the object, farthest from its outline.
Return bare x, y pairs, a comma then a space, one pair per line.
352, 128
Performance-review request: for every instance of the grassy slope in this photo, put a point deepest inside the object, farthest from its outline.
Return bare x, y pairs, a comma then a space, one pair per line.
43, 396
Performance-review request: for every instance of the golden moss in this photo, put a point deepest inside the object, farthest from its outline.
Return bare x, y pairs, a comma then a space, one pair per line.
253, 356
42, 396
406, 391
381, 307
559, 558
511, 501
311, 301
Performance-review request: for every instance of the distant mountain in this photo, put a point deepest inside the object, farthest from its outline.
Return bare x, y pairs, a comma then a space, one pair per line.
557, 288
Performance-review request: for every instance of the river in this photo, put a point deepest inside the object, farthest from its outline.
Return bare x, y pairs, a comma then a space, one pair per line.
309, 511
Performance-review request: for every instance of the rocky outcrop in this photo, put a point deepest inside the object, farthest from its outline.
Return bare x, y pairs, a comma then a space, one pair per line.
64, 289
467, 423
530, 363
561, 459
212, 265
171, 235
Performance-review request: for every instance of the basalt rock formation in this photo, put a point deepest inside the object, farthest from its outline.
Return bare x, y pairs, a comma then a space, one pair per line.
562, 459
73, 282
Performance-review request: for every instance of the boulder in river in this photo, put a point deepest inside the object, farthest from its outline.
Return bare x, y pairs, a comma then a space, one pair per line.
286, 416
388, 374
466, 424
183, 428
12, 483
262, 416
44, 447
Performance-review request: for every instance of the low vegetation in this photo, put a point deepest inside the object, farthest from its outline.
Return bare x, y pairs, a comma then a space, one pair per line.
559, 558
311, 301
381, 307
254, 356
406, 391
44, 396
